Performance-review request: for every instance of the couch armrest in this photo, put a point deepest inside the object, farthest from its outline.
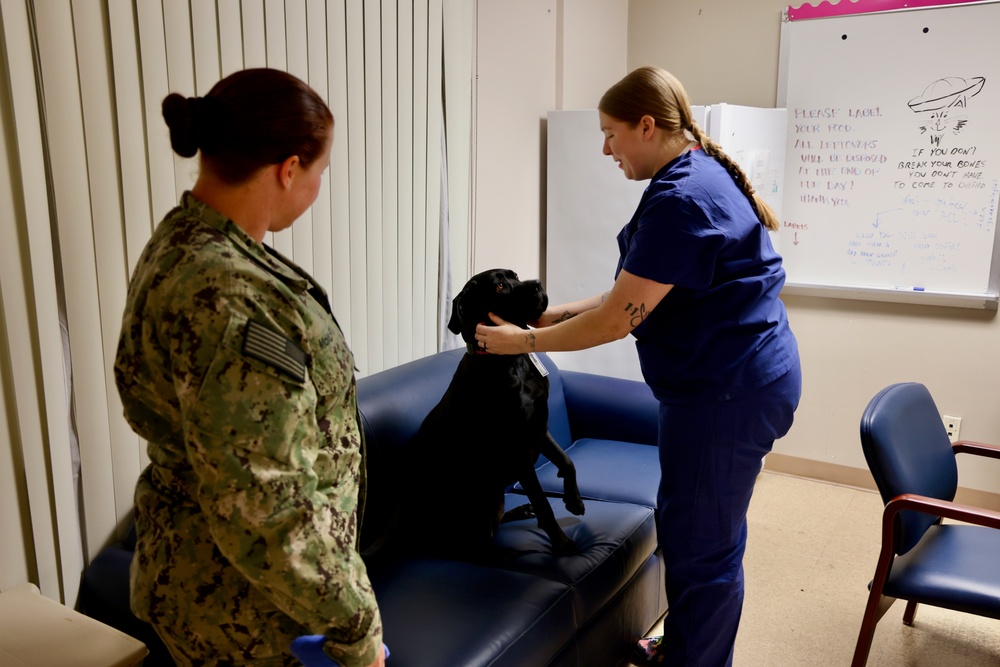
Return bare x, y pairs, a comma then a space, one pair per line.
393, 404
610, 408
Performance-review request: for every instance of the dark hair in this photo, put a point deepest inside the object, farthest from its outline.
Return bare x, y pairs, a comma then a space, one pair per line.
250, 119
651, 91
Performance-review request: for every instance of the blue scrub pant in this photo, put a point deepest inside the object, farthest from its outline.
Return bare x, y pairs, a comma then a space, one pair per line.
710, 455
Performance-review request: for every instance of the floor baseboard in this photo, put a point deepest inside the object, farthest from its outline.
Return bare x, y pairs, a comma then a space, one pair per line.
860, 478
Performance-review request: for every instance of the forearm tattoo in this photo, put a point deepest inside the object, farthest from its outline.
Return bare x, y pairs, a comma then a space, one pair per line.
530, 340
638, 313
567, 315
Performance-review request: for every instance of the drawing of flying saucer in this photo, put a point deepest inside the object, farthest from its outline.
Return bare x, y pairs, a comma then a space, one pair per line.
950, 91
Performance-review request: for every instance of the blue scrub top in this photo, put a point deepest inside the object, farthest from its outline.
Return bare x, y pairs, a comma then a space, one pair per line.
721, 332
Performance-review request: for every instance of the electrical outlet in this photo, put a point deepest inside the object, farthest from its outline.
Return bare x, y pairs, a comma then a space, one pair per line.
953, 425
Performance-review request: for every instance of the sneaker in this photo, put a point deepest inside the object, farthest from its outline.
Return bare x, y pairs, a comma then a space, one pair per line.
649, 651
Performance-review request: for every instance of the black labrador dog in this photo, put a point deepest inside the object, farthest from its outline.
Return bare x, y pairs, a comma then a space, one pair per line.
487, 433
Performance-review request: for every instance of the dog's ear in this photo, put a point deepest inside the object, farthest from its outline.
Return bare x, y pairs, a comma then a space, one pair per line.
455, 323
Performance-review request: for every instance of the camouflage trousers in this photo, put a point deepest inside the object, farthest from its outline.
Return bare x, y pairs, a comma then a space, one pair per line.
266, 645
207, 613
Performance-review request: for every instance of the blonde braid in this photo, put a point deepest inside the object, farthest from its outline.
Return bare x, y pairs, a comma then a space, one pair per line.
759, 206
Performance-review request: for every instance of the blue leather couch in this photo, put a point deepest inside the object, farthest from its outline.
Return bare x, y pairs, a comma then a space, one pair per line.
527, 608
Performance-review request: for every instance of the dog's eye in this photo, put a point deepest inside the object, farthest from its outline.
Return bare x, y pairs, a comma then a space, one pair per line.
500, 287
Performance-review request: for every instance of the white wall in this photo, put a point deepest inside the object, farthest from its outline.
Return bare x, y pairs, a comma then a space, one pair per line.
728, 52
532, 56
592, 50
724, 51
515, 70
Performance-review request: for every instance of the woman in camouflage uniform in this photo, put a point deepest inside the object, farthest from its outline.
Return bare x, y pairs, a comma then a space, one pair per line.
231, 365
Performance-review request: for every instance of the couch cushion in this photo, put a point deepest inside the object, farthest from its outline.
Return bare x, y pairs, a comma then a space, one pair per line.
614, 539
609, 470
437, 612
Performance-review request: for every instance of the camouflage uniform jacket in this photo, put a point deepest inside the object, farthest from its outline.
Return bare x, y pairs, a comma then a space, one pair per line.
232, 367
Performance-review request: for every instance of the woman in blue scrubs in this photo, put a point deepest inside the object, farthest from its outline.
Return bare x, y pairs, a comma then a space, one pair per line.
697, 286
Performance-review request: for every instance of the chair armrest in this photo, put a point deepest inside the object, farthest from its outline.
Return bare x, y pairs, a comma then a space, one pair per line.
931, 506
977, 448
610, 408
945, 509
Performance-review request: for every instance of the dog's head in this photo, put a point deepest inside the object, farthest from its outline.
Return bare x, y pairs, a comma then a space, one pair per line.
497, 291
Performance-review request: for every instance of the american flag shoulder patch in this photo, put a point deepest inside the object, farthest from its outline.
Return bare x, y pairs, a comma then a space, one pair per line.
274, 349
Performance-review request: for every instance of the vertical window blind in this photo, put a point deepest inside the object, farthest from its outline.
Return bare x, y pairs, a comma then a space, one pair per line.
90, 172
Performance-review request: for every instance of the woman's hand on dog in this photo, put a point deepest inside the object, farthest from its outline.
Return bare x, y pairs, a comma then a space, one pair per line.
503, 337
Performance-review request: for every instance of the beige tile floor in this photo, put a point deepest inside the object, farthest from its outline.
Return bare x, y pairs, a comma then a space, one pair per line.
810, 555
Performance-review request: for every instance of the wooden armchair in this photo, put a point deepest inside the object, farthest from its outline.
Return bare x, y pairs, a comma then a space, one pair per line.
922, 560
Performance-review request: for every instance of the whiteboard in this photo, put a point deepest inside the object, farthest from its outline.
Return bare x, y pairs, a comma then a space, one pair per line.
755, 138
588, 201
892, 155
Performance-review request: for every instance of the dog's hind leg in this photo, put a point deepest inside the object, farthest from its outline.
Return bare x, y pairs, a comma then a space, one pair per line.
571, 492
518, 513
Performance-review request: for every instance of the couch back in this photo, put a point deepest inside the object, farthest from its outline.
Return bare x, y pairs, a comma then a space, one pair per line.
393, 404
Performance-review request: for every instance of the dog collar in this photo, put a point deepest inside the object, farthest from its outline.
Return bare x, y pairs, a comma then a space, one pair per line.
475, 349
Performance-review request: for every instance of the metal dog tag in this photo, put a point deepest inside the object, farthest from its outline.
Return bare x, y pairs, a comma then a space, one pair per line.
539, 366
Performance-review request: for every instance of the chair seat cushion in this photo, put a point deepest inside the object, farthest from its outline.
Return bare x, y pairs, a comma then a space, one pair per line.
953, 566
623, 472
614, 540
442, 612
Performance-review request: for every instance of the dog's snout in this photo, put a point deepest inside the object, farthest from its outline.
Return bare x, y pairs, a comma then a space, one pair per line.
531, 291
532, 286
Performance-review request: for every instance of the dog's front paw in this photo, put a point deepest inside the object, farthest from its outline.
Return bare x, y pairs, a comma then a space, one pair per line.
565, 547
574, 504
